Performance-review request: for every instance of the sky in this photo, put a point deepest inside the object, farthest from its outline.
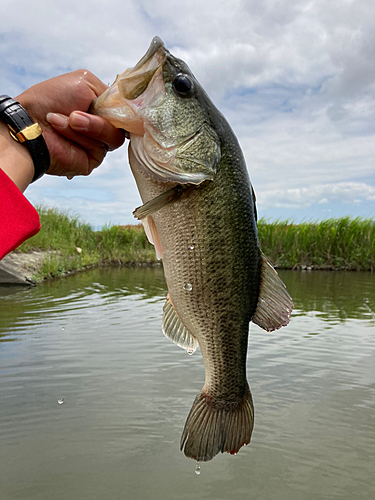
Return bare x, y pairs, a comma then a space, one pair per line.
294, 78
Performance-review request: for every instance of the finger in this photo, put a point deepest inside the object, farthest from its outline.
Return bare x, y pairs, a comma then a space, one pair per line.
61, 124
69, 159
71, 152
97, 128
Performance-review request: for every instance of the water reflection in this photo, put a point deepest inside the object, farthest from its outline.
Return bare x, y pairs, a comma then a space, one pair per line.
94, 342
80, 291
332, 295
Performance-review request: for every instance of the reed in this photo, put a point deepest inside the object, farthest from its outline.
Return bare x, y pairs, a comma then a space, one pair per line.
60, 231
125, 244
75, 246
342, 243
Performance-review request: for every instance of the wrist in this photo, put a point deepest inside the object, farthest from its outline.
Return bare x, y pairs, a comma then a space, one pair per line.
24, 130
15, 159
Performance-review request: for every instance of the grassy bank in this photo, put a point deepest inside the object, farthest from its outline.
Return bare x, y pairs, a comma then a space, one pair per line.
75, 246
343, 243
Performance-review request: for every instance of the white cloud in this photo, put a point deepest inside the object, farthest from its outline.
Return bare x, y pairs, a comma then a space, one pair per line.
295, 79
346, 192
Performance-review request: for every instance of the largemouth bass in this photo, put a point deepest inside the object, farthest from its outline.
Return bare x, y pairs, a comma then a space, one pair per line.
199, 212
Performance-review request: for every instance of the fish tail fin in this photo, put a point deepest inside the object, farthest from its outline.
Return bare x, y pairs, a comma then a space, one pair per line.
217, 426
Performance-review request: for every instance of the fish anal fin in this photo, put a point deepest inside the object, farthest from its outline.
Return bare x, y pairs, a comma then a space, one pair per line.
274, 302
217, 426
175, 330
153, 235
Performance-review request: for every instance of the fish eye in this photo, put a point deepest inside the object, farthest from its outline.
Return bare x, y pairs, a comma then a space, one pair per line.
183, 85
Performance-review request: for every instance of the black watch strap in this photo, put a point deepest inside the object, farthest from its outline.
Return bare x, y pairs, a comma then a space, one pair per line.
24, 130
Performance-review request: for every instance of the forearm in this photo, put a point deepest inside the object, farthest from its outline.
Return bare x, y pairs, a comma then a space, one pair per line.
15, 159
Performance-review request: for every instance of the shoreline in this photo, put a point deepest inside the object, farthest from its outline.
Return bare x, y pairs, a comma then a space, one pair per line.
24, 268
18, 268
67, 245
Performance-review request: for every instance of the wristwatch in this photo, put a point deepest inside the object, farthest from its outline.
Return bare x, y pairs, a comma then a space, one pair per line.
24, 130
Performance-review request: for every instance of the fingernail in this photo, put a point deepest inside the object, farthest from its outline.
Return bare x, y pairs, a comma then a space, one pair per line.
57, 120
78, 121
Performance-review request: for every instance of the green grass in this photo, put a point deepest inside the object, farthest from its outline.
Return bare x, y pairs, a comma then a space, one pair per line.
76, 246
343, 243
60, 231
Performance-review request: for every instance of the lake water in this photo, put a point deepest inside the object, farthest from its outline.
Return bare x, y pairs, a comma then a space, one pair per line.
93, 397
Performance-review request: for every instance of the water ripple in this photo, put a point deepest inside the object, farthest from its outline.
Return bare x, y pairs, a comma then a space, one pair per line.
95, 341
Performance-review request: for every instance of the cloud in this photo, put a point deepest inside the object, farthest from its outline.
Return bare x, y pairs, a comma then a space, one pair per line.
345, 192
296, 80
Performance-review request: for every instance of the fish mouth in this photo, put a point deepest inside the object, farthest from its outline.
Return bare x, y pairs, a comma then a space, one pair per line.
156, 46
128, 92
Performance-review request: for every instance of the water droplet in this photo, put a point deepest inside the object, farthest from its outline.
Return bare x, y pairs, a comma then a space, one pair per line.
62, 328
190, 352
188, 287
198, 469
191, 247
60, 401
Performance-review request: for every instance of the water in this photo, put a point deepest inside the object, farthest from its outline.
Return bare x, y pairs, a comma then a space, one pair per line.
197, 468
94, 341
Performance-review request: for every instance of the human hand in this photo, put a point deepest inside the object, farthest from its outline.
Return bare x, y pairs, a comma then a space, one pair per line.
77, 141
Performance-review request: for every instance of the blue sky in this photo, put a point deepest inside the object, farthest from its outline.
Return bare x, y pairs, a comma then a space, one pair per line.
295, 79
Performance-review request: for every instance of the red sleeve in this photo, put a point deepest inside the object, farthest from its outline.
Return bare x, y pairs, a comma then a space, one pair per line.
18, 218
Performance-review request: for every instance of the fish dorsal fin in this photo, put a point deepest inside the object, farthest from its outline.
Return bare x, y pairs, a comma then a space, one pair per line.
175, 330
274, 303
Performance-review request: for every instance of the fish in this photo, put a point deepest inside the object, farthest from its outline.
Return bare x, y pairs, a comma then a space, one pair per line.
199, 211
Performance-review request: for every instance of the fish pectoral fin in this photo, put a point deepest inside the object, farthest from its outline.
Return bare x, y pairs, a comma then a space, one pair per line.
175, 330
152, 235
274, 302
160, 201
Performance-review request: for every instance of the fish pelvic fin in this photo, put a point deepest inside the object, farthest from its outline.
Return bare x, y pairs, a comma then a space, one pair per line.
274, 305
153, 235
175, 330
217, 426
